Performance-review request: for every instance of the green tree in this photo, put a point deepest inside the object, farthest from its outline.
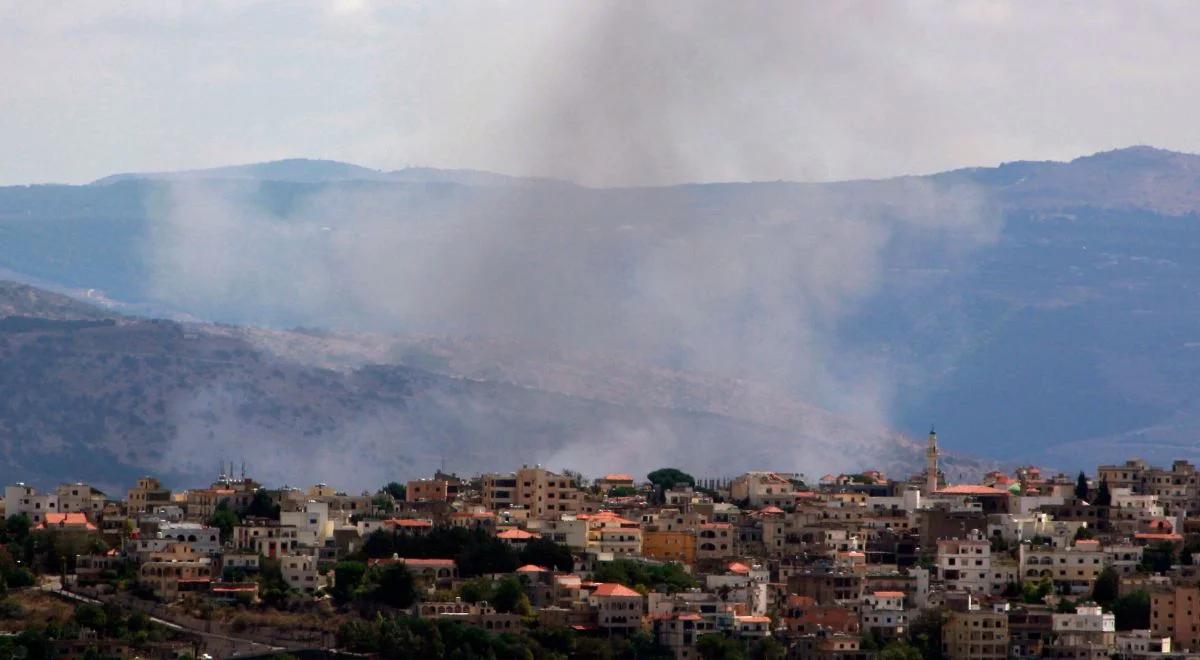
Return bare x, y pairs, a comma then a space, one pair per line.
622, 491
347, 578
397, 490
91, 616
1107, 587
477, 589
548, 554
509, 596
1132, 610
925, 633
1081, 486
262, 505
1065, 606
666, 478
1159, 557
899, 650
1103, 496
224, 519
392, 585
719, 647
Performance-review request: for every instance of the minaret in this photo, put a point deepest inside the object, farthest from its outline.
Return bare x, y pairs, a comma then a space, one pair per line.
931, 467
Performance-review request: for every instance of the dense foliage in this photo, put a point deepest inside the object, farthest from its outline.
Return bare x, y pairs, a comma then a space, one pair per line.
670, 577
475, 551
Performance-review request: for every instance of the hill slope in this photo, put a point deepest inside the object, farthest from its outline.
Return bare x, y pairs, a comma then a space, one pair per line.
1056, 323
107, 400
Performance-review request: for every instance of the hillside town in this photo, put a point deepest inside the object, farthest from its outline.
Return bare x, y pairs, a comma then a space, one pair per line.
539, 563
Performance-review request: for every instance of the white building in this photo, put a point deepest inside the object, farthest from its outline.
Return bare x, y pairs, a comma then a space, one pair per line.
22, 499
300, 572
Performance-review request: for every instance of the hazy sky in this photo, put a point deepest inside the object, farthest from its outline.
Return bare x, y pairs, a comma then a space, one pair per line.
599, 92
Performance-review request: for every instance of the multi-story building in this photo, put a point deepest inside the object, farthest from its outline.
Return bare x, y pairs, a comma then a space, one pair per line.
669, 546
441, 488
1087, 632
302, 574
976, 635
147, 495
763, 489
618, 607
21, 499
175, 571
610, 533
1073, 568
81, 498
541, 491
1175, 613
884, 615
966, 565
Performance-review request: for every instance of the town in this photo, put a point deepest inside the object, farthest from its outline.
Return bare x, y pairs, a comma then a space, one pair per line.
538, 563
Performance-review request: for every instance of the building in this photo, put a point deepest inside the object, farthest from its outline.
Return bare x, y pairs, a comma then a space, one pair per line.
21, 499
883, 614
302, 573
976, 635
441, 488
1074, 568
541, 491
677, 546
1087, 632
147, 495
618, 607
966, 565
763, 489
1175, 613
81, 498
175, 572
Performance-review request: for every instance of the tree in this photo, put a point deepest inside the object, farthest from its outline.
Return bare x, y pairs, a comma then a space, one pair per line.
509, 596
1081, 486
1107, 587
392, 585
1132, 610
91, 616
717, 646
476, 589
262, 505
622, 491
1065, 606
925, 633
898, 650
397, 490
224, 519
1159, 558
1103, 496
666, 478
347, 577
548, 554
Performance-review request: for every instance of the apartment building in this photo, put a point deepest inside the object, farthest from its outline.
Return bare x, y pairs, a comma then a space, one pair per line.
539, 490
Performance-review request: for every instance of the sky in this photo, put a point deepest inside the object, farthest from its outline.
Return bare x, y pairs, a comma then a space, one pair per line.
603, 93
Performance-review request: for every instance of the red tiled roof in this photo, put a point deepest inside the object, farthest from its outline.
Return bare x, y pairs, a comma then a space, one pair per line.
516, 535
738, 567
72, 519
531, 568
753, 619
1158, 537
889, 594
771, 510
610, 589
412, 561
617, 476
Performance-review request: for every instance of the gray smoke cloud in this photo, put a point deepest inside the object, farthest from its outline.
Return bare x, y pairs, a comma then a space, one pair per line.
753, 281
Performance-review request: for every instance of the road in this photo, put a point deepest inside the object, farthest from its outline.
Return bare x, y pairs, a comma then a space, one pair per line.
215, 644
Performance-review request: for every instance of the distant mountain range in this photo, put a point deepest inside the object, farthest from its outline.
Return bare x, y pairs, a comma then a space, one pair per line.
304, 170
1057, 323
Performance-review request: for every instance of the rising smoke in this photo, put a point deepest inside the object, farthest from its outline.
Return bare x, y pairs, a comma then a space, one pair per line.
748, 281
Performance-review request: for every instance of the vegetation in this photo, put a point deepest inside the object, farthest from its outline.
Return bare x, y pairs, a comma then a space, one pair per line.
1081, 486
1132, 610
1107, 587
669, 577
476, 552
408, 637
666, 478
1159, 557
